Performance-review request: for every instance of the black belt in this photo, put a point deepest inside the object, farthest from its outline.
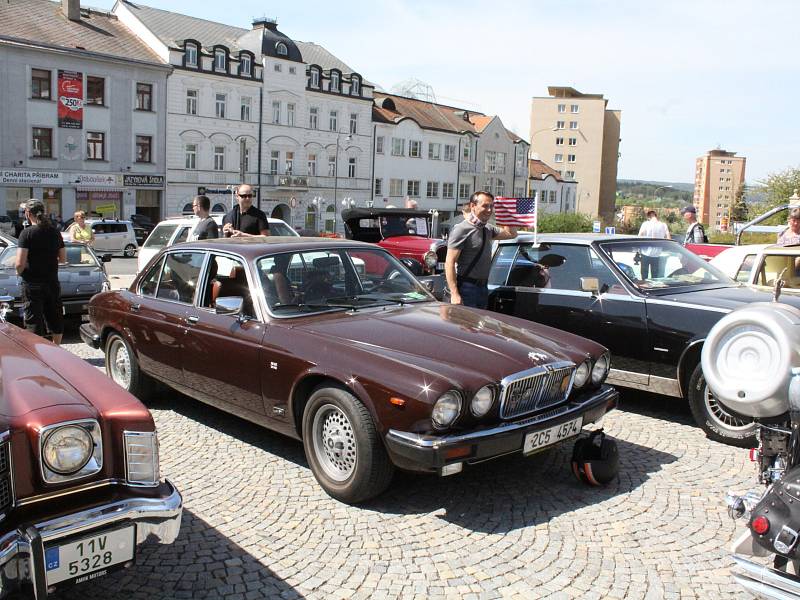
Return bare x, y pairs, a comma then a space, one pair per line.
473, 280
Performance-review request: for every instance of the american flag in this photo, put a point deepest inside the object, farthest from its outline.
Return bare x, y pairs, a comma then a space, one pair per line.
516, 212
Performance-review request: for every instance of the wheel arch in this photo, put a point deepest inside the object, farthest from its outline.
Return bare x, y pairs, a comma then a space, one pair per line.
303, 389
690, 358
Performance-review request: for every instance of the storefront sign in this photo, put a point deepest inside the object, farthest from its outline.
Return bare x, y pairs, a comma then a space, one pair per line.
106, 208
24, 177
70, 99
143, 180
98, 180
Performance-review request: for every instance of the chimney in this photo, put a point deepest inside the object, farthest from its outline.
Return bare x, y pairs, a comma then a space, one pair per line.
72, 9
265, 23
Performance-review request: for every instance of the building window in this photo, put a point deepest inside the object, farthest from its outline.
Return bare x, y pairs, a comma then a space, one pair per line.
276, 112
467, 149
144, 148
220, 60
463, 191
434, 151
571, 158
95, 90
501, 162
277, 67
289, 163
247, 159
40, 84
569, 174
351, 166
245, 65
219, 158
559, 141
500, 188
379, 144
398, 147
378, 186
191, 156
190, 53
449, 152
559, 158
552, 196
313, 80
313, 118
355, 86
144, 96
333, 123
489, 187
562, 108
292, 70
432, 190
353, 123
274, 159
246, 104
42, 142
559, 124
573, 124
573, 141
395, 187
312, 164
573, 108
191, 102
334, 83
281, 49
220, 106
448, 190
332, 166
290, 111
95, 145
414, 148
490, 162
412, 189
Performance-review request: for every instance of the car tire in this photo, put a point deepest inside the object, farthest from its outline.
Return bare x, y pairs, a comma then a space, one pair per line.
129, 251
719, 423
343, 447
123, 368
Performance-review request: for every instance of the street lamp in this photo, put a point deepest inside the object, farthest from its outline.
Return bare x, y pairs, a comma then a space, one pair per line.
533, 135
319, 202
336, 175
348, 203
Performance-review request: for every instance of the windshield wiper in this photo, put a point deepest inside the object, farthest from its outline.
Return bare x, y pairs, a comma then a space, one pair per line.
310, 305
378, 297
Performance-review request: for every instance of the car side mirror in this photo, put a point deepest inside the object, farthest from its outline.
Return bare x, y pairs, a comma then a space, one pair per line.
590, 284
429, 285
106, 257
229, 305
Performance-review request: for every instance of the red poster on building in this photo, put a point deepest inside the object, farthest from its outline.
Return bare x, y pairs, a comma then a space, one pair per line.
70, 99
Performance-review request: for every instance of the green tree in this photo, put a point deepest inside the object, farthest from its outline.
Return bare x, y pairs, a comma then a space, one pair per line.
739, 210
779, 187
565, 223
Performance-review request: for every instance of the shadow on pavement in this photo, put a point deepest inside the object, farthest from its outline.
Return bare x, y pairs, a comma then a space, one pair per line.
655, 405
201, 563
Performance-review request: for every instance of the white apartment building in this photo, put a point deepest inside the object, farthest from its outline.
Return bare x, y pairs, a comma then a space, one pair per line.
555, 194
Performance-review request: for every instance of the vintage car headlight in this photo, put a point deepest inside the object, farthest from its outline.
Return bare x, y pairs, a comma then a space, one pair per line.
430, 259
482, 401
141, 458
446, 409
600, 369
67, 449
582, 374
106, 287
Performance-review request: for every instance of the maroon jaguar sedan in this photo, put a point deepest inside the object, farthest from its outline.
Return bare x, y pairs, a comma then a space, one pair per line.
336, 343
80, 485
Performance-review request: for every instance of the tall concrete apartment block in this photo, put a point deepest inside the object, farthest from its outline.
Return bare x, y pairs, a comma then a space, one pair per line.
718, 176
579, 136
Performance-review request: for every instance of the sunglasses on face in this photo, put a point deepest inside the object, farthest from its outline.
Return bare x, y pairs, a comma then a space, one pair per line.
245, 195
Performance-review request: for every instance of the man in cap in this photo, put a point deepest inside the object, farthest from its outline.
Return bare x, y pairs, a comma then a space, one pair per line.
40, 250
695, 234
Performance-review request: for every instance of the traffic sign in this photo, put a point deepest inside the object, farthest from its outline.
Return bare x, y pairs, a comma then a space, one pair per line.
611, 230
596, 227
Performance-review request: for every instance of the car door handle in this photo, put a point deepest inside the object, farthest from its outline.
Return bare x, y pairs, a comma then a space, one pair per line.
192, 320
135, 307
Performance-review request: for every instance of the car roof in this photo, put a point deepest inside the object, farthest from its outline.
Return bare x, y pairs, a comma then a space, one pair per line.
96, 220
255, 246
574, 238
183, 219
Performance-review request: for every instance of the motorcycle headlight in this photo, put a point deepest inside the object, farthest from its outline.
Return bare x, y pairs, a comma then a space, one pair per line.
67, 449
600, 369
446, 409
430, 259
482, 401
582, 374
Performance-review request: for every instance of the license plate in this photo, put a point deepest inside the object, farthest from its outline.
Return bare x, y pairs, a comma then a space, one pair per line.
89, 557
536, 440
440, 266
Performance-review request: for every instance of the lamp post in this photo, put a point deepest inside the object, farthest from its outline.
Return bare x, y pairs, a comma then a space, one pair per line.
336, 175
319, 202
535, 155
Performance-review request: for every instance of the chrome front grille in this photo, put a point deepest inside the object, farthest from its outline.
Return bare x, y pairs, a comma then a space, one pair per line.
535, 389
6, 487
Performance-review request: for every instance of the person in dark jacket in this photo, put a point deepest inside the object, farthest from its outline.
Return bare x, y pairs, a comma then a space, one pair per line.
244, 219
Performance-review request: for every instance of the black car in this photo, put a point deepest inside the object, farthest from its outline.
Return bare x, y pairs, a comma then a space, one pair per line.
655, 326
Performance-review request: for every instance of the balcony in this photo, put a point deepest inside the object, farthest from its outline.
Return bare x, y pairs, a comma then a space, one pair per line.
289, 181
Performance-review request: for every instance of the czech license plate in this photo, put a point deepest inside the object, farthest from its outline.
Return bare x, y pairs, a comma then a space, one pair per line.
89, 557
536, 440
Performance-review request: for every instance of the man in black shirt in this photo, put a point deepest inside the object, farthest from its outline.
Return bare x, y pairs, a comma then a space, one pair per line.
207, 228
40, 250
245, 220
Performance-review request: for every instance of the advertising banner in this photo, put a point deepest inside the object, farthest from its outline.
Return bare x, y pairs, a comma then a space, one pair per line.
70, 99
143, 180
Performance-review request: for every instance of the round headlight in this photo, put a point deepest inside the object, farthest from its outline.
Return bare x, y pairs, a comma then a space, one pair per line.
581, 374
600, 369
430, 259
67, 449
106, 287
446, 409
482, 401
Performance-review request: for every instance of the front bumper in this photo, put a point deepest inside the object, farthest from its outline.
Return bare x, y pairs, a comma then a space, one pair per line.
22, 561
90, 336
430, 453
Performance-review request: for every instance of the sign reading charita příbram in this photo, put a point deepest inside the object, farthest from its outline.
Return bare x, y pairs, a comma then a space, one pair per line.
70, 99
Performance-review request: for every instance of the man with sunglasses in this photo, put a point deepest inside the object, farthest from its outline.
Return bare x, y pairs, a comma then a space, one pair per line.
244, 219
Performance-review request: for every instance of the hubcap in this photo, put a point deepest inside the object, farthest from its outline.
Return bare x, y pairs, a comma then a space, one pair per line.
334, 443
119, 364
718, 412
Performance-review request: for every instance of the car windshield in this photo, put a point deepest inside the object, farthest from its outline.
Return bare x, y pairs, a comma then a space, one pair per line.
394, 225
655, 265
281, 229
80, 255
160, 237
311, 281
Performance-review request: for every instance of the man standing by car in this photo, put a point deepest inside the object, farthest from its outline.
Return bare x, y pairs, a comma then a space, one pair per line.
695, 234
207, 228
244, 219
41, 248
651, 255
469, 252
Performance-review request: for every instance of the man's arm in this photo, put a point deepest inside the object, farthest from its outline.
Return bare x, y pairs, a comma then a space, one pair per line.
450, 274
22, 260
62, 255
507, 233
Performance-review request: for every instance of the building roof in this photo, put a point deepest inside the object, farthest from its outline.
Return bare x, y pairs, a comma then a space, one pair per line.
569, 92
314, 54
538, 169
480, 121
389, 108
514, 137
43, 22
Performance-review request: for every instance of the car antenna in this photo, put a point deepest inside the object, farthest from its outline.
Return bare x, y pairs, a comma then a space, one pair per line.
779, 284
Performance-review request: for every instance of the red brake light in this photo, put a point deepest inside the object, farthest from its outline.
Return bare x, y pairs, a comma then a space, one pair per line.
760, 525
754, 454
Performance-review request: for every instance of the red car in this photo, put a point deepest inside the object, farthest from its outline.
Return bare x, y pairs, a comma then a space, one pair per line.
79, 473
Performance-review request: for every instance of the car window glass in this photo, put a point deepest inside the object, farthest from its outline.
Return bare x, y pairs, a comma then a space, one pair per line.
280, 229
80, 255
150, 280
160, 236
501, 264
98, 228
226, 277
180, 276
8, 260
556, 266
743, 274
609, 283
183, 234
115, 228
773, 266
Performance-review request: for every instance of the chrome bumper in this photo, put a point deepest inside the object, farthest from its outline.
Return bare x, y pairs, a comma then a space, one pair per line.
22, 550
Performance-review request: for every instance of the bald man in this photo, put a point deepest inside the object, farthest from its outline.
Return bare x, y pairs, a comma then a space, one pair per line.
244, 219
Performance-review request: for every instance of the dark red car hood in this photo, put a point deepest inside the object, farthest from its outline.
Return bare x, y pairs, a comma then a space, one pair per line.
408, 242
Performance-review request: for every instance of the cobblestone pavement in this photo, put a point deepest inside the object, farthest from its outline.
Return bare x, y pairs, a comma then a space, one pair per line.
257, 525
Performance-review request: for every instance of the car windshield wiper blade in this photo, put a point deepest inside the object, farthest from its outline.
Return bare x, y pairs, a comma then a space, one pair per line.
310, 305
379, 297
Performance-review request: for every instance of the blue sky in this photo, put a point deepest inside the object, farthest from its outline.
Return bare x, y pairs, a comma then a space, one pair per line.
688, 75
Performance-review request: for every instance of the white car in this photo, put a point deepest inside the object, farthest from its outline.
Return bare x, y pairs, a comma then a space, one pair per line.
6, 225
111, 236
759, 265
177, 229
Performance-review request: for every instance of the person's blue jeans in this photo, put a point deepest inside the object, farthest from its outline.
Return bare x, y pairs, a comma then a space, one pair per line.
652, 267
474, 295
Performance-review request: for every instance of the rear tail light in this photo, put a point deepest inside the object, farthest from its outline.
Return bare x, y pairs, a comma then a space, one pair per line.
760, 525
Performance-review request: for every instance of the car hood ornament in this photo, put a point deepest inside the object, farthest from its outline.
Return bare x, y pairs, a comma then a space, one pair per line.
537, 356
779, 285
